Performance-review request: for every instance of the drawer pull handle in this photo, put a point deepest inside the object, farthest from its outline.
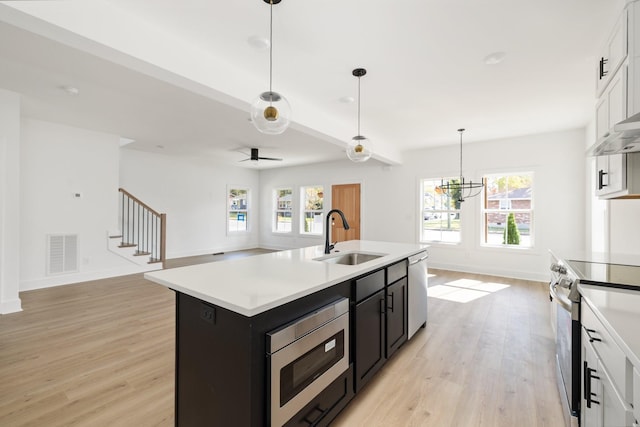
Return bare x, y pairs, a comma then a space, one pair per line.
588, 376
589, 332
318, 418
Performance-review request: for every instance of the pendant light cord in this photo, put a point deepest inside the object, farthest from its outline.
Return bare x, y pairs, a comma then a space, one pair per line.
461, 130
358, 106
270, 47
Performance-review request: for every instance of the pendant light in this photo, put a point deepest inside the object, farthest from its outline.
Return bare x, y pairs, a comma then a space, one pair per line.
359, 149
460, 189
271, 112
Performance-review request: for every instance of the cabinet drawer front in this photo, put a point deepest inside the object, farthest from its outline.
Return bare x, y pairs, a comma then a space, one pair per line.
615, 411
636, 393
396, 271
369, 285
607, 350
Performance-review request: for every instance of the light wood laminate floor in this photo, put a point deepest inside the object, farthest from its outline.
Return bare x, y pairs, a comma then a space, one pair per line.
101, 353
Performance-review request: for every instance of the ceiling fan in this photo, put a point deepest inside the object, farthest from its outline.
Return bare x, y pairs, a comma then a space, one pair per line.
255, 157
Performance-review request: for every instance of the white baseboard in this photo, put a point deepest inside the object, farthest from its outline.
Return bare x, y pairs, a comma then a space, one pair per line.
12, 306
212, 251
524, 275
68, 279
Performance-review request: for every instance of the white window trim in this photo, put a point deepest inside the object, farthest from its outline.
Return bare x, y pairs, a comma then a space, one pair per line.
421, 208
303, 211
275, 211
531, 211
248, 210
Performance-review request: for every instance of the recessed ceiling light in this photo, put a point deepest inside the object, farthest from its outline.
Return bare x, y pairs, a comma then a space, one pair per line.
494, 58
347, 99
258, 42
71, 90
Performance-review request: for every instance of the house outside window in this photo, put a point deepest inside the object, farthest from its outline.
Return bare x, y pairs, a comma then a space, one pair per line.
283, 208
508, 210
238, 210
312, 208
440, 213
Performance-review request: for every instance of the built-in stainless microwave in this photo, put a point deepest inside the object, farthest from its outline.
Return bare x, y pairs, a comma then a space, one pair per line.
305, 357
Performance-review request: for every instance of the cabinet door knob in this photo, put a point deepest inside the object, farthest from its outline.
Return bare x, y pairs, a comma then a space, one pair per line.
603, 72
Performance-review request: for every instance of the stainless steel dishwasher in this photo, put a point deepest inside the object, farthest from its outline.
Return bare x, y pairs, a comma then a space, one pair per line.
417, 291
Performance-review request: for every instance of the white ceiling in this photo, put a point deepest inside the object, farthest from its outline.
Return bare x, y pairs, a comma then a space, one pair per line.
181, 75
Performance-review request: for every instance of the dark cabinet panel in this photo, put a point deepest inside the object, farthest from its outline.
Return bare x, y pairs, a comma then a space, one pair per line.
396, 315
369, 284
397, 271
369, 337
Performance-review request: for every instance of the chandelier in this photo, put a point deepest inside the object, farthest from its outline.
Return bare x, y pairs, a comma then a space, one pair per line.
459, 189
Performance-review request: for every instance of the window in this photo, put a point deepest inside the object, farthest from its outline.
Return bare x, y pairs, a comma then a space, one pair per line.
238, 210
440, 219
283, 206
508, 210
312, 205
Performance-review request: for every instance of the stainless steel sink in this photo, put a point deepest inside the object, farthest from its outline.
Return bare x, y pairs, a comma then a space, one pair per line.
350, 258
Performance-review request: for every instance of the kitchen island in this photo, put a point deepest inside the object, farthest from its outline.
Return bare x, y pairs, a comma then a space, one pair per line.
225, 311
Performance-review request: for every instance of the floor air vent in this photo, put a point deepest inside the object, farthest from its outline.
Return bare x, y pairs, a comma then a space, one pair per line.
62, 253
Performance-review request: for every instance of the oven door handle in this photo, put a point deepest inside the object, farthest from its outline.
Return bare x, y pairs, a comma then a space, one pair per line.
563, 301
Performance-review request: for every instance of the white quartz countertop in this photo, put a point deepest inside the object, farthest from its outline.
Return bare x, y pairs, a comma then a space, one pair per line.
619, 311
258, 283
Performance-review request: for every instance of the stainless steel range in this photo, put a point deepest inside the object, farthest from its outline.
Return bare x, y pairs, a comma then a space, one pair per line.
563, 289
566, 275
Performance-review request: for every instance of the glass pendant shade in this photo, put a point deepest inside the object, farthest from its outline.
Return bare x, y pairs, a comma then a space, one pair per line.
271, 113
359, 149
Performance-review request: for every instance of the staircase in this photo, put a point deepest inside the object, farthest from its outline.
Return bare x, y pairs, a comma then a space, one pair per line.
142, 235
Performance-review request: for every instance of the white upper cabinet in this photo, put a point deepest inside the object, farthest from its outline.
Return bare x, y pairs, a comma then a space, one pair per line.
612, 105
618, 91
613, 54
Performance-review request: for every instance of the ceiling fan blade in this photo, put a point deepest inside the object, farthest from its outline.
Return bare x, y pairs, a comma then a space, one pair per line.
270, 158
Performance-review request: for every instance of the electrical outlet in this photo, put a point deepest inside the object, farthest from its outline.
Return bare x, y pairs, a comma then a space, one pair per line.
208, 313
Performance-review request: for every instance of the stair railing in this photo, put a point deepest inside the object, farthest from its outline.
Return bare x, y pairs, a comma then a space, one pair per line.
142, 227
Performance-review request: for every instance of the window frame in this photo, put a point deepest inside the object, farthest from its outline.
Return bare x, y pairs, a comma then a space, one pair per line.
277, 210
485, 211
423, 210
246, 210
304, 211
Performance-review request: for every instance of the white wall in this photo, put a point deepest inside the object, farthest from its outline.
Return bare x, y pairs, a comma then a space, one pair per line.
624, 227
390, 203
56, 162
9, 201
193, 194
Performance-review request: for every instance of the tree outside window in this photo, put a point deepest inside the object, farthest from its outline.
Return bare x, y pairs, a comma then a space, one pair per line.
238, 210
440, 213
283, 203
312, 209
508, 210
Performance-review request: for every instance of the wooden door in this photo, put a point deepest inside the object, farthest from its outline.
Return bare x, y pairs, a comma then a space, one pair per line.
346, 197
